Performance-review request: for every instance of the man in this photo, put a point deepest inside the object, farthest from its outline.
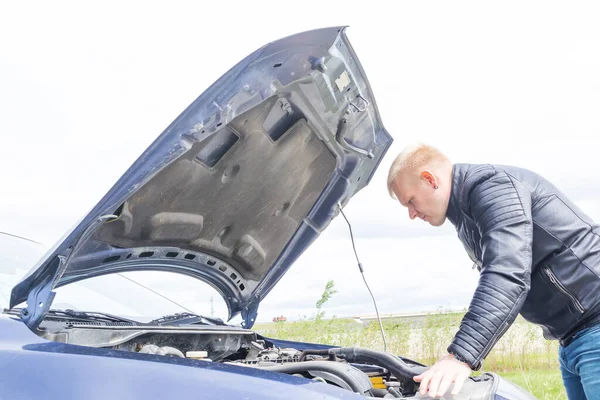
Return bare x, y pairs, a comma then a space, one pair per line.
537, 253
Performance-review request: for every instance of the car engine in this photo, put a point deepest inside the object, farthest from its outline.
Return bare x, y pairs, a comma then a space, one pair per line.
370, 373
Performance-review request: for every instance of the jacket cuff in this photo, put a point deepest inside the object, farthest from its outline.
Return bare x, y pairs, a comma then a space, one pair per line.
473, 362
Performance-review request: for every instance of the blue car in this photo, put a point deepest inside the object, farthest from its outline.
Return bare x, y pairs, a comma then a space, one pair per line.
231, 194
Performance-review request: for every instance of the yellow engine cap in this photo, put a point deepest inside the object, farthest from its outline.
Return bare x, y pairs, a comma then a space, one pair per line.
377, 382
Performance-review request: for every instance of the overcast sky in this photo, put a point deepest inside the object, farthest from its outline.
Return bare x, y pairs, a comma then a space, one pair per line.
85, 89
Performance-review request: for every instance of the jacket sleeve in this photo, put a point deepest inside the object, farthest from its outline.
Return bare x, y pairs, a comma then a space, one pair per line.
501, 210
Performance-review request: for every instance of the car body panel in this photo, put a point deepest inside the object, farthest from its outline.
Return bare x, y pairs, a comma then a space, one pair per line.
32, 367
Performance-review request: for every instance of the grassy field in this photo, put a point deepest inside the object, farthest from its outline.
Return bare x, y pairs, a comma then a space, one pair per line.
522, 355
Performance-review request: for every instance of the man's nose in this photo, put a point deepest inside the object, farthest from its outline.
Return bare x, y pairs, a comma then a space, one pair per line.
412, 213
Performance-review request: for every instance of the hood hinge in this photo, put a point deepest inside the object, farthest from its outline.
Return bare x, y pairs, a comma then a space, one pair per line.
249, 314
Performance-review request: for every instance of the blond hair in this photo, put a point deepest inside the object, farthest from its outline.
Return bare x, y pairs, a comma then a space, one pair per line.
411, 158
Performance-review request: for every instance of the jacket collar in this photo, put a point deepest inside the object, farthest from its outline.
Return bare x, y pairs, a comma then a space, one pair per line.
458, 177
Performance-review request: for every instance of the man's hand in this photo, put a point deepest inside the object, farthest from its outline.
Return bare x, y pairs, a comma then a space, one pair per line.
441, 374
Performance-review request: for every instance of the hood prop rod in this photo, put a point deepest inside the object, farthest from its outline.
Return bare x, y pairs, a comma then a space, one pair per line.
360, 267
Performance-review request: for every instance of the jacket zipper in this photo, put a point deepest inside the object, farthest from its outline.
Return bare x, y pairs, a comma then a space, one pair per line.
564, 290
497, 336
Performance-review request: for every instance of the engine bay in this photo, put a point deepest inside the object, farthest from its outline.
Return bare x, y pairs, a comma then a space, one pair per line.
373, 374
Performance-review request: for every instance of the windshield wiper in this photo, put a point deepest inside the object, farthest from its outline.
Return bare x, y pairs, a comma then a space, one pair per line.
84, 316
186, 318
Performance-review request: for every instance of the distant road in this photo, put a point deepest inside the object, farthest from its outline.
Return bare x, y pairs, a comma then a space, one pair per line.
402, 316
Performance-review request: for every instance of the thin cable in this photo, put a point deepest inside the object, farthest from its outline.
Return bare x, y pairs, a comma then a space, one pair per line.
158, 294
352, 238
364, 279
20, 237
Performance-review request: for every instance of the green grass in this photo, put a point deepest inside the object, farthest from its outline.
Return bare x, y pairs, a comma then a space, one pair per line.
522, 356
546, 385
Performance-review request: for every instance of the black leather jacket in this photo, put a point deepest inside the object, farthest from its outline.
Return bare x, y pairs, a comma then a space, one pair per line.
537, 253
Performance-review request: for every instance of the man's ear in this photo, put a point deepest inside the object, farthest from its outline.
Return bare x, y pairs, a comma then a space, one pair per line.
430, 178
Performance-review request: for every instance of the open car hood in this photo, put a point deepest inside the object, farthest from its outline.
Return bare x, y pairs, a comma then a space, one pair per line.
239, 185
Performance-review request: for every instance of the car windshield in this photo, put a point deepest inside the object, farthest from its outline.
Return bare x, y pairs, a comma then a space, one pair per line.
141, 296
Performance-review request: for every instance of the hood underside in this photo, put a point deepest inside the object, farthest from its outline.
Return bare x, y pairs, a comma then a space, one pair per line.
245, 207
239, 185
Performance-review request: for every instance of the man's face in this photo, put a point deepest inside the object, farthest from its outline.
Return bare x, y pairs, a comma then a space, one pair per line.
417, 193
